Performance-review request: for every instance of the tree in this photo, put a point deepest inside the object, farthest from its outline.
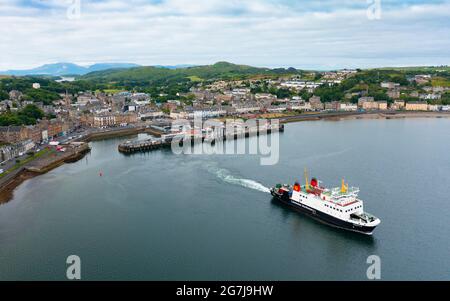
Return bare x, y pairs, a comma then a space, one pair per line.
329, 93
27, 116
41, 95
9, 119
401, 79
354, 99
445, 98
283, 93
304, 94
379, 95
32, 111
3, 95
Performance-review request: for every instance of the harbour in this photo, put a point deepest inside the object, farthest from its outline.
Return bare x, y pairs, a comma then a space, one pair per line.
170, 141
156, 215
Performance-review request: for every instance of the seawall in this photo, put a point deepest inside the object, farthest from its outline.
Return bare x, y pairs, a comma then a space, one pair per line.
37, 167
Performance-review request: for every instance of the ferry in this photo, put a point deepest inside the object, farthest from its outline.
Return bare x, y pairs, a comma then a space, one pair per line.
339, 207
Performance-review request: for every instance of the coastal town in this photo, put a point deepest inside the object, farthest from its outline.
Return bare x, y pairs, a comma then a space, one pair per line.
74, 117
213, 149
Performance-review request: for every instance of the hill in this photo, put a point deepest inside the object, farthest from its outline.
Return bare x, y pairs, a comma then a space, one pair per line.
174, 66
58, 69
145, 75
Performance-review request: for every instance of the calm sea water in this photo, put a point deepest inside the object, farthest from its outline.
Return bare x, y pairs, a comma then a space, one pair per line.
159, 216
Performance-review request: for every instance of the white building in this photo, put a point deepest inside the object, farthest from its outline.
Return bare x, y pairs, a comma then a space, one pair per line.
389, 85
240, 92
104, 120
177, 114
305, 106
276, 109
150, 115
430, 96
299, 85
247, 109
434, 108
348, 107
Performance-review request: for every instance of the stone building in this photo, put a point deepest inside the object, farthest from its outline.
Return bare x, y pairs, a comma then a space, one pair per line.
13, 134
416, 106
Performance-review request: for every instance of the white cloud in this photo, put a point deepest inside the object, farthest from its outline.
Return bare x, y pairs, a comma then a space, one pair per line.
257, 32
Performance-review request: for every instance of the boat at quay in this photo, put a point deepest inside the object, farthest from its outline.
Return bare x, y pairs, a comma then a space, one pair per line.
204, 135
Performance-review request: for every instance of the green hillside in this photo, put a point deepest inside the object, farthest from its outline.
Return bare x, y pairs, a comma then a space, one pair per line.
145, 75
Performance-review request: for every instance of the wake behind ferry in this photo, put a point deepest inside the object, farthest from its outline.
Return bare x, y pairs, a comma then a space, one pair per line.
338, 207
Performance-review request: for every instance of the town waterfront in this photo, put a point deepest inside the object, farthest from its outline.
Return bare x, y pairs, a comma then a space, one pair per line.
160, 216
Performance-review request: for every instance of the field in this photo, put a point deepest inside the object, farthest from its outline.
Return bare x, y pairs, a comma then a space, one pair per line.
440, 82
195, 78
113, 91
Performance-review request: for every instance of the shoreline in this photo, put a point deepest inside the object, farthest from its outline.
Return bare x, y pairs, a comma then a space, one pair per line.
7, 191
17, 177
360, 115
25, 173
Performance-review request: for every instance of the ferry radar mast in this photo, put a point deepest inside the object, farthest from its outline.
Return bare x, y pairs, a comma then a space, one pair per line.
344, 187
306, 180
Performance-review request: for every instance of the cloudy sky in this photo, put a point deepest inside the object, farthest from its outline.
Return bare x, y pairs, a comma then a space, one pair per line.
318, 34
